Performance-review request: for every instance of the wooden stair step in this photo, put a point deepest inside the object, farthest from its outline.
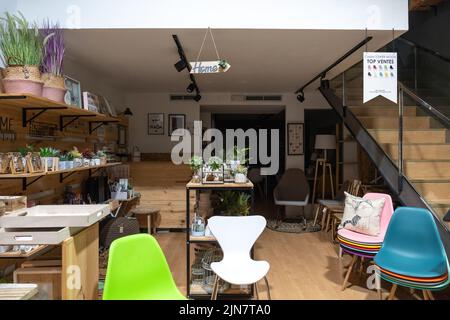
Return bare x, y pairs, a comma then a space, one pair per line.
419, 151
427, 169
386, 122
386, 111
433, 190
410, 136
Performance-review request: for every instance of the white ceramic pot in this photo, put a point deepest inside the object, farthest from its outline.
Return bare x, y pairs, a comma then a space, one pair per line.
62, 165
86, 162
97, 161
78, 162
49, 161
240, 178
234, 164
92, 162
69, 164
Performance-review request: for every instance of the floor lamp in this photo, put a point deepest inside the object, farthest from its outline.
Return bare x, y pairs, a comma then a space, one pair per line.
324, 142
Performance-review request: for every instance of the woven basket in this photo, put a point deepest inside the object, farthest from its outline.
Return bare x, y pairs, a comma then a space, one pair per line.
53, 81
22, 73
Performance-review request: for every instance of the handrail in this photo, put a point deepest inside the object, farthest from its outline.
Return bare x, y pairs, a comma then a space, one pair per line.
334, 64
429, 108
428, 50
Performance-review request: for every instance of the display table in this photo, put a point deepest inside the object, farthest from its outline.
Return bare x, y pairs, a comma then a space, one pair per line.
244, 187
17, 291
73, 230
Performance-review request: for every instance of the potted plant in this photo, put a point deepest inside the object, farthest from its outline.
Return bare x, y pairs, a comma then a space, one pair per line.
26, 152
237, 156
21, 48
77, 157
233, 203
196, 163
102, 156
69, 161
51, 67
87, 157
240, 174
213, 172
49, 156
63, 161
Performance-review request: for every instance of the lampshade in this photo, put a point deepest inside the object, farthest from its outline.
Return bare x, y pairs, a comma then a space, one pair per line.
128, 112
325, 142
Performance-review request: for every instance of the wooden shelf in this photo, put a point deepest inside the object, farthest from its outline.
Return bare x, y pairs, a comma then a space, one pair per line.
28, 102
18, 254
38, 174
226, 185
202, 239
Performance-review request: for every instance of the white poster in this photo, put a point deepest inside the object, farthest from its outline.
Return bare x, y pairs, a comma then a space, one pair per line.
380, 75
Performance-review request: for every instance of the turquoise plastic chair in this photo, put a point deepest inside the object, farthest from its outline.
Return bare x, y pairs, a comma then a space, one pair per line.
412, 253
138, 270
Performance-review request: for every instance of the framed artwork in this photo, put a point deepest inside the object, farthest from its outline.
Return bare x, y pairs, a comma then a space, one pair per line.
176, 121
73, 93
155, 123
295, 139
91, 102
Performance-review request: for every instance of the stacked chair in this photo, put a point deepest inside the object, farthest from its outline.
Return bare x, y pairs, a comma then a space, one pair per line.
412, 254
361, 246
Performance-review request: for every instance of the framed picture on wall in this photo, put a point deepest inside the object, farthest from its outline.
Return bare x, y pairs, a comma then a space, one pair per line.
73, 93
176, 121
155, 123
91, 102
295, 139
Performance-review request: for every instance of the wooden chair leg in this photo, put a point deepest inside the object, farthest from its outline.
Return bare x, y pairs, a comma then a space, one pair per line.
361, 265
392, 293
268, 287
215, 288
328, 220
324, 218
425, 295
430, 295
256, 290
350, 267
317, 214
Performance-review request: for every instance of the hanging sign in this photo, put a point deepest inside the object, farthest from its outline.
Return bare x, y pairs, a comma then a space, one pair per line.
209, 66
380, 75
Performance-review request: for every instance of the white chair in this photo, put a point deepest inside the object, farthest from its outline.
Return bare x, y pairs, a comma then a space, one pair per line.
236, 236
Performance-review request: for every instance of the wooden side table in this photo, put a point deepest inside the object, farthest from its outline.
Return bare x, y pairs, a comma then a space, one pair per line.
151, 214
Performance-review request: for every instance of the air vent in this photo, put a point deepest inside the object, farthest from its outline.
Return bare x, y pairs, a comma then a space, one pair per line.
179, 97
263, 98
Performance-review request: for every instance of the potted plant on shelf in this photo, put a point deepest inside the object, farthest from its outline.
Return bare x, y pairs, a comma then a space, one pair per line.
25, 152
102, 157
233, 203
21, 52
52, 62
87, 157
77, 157
213, 173
196, 163
50, 157
63, 161
240, 174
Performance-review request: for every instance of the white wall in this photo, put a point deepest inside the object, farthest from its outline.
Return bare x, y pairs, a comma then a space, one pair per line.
144, 103
237, 14
93, 82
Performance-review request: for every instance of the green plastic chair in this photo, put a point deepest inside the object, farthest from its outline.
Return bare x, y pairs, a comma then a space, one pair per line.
138, 270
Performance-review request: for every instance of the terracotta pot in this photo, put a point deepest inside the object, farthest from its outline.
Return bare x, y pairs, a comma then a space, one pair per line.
14, 86
53, 81
55, 94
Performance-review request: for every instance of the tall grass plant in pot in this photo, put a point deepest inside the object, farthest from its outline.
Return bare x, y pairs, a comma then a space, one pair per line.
52, 62
21, 48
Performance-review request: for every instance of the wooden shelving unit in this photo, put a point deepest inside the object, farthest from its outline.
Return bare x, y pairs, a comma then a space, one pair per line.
68, 172
67, 113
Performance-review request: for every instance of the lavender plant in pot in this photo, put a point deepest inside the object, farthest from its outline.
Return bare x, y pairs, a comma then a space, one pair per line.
54, 87
21, 48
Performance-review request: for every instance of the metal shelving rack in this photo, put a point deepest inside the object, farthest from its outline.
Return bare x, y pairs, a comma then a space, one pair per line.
247, 187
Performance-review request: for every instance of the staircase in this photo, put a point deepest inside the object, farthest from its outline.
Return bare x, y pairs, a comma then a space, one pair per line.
426, 145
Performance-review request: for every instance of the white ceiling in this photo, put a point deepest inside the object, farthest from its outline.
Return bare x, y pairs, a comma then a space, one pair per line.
261, 60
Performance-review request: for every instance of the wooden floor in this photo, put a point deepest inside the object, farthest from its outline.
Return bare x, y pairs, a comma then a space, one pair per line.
302, 266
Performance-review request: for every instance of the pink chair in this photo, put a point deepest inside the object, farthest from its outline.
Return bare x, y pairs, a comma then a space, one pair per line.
361, 245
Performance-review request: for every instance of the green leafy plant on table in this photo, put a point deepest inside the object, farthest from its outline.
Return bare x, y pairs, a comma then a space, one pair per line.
234, 203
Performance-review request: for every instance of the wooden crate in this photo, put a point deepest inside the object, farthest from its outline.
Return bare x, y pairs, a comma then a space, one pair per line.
48, 280
13, 203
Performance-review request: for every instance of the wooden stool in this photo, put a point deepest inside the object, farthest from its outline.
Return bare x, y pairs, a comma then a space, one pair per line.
151, 217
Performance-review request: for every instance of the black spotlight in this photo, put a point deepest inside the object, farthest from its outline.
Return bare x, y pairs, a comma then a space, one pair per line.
180, 65
197, 97
301, 97
128, 112
190, 88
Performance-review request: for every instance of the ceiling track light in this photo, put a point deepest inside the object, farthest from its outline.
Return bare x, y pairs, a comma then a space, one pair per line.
180, 65
190, 88
197, 97
301, 96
